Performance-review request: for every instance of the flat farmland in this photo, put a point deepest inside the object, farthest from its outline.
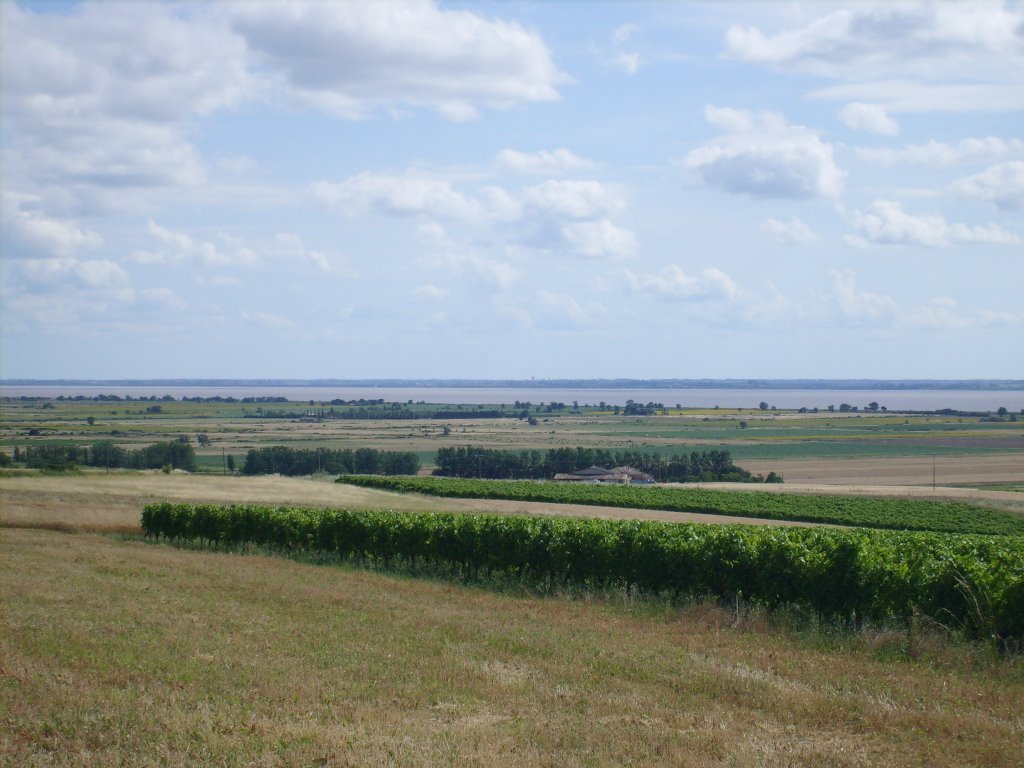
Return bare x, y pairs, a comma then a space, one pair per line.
956, 469
843, 448
93, 501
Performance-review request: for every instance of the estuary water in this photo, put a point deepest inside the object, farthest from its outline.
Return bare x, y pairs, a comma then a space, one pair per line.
893, 400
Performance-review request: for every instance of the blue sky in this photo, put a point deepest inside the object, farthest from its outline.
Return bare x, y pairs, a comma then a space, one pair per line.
507, 190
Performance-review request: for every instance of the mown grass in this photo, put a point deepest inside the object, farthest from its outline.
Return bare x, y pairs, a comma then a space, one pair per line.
117, 652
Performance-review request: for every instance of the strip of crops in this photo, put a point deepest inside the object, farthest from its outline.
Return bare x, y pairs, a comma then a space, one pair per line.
974, 583
898, 514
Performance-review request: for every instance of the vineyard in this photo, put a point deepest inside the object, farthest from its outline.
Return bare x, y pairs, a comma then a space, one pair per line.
898, 514
974, 584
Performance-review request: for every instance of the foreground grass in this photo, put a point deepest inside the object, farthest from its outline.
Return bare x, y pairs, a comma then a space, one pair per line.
125, 653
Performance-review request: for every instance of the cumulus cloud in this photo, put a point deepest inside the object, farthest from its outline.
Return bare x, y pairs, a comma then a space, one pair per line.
563, 311
31, 234
49, 274
293, 249
943, 153
788, 232
860, 307
97, 99
949, 56
556, 162
469, 264
673, 284
928, 38
573, 199
1002, 185
871, 118
173, 247
350, 58
430, 293
269, 320
408, 194
886, 223
764, 156
597, 239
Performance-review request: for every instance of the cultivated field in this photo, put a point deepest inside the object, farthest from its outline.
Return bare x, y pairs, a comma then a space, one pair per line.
115, 651
830, 448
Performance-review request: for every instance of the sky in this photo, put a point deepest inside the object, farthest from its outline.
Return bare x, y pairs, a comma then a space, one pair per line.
512, 190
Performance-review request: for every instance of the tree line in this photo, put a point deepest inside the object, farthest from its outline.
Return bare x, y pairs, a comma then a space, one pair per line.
176, 454
471, 461
281, 460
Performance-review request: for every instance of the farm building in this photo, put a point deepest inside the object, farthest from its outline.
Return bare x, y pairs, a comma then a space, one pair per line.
616, 476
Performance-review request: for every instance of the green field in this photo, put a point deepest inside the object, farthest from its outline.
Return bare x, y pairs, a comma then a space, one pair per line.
899, 514
235, 428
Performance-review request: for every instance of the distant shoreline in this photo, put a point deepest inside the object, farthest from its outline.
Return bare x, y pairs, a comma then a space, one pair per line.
882, 385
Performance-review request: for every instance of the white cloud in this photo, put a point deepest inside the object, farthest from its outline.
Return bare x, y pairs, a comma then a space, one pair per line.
472, 265
292, 248
628, 62
624, 33
597, 239
871, 118
96, 99
430, 293
788, 232
405, 194
886, 223
942, 153
560, 310
573, 199
48, 274
162, 299
556, 162
764, 156
929, 39
351, 58
268, 320
949, 56
178, 248
32, 233
673, 284
1002, 185
860, 307
989, 319
919, 97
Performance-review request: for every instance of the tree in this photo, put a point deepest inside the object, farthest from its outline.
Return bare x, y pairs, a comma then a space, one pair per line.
91, 420
872, 406
203, 438
231, 463
763, 405
1002, 411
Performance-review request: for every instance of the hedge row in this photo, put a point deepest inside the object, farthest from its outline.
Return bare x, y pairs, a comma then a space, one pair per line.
974, 583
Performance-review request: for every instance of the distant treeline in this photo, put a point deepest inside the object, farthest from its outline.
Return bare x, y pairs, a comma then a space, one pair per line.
470, 461
174, 453
374, 413
282, 460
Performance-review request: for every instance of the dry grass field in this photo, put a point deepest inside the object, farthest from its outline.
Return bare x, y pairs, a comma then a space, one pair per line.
977, 469
120, 652
92, 501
